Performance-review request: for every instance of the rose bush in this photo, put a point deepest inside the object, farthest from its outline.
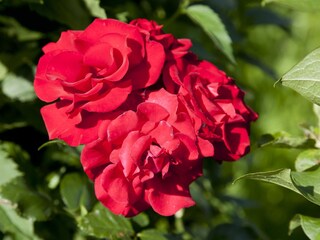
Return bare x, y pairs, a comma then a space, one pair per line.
90, 73
147, 110
147, 158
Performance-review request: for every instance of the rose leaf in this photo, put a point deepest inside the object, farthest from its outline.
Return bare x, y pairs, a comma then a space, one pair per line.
210, 22
11, 222
310, 225
305, 77
76, 192
101, 223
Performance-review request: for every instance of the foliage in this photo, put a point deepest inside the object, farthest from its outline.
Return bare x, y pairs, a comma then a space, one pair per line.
44, 193
304, 181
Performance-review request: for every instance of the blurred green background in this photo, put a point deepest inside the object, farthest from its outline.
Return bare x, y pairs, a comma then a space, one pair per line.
266, 40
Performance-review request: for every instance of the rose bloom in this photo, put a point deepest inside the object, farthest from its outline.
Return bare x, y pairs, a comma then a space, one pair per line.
148, 158
87, 75
216, 104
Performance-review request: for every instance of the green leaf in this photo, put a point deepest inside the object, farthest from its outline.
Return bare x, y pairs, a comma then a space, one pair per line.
76, 192
308, 184
307, 159
305, 183
29, 202
95, 9
284, 140
210, 22
11, 222
73, 13
301, 5
142, 219
102, 223
279, 177
294, 223
18, 88
305, 77
9, 169
310, 226
153, 234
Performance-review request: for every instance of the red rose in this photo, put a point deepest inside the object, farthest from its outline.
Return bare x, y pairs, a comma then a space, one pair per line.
90, 73
148, 158
216, 105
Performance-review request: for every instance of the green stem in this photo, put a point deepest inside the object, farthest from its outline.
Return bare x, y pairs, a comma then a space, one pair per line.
179, 225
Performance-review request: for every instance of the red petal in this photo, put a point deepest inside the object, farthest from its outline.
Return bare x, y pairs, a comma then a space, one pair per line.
103, 196
206, 148
99, 28
166, 197
165, 99
47, 90
152, 112
135, 205
67, 66
184, 125
116, 184
132, 148
190, 151
65, 42
237, 137
74, 130
99, 55
139, 149
94, 156
148, 71
162, 133
122, 125
111, 99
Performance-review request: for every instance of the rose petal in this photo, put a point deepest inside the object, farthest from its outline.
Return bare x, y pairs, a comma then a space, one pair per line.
129, 154
110, 99
47, 90
152, 112
67, 66
165, 99
100, 55
166, 197
139, 150
102, 27
236, 142
190, 150
68, 127
129, 209
148, 71
206, 148
95, 157
116, 184
162, 133
121, 126
184, 125
65, 42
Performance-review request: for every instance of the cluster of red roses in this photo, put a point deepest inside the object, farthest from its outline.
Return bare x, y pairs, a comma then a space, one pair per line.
147, 110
